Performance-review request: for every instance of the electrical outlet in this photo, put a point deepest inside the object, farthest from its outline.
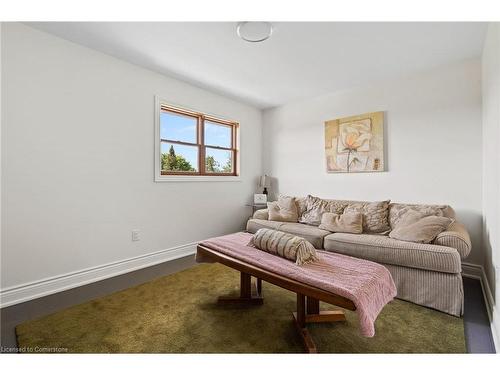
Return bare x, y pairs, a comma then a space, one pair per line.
136, 235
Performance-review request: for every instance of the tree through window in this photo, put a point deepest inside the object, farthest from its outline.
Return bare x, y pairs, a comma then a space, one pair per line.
196, 144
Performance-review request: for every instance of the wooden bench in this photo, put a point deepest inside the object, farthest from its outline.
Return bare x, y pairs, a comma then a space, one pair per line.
308, 297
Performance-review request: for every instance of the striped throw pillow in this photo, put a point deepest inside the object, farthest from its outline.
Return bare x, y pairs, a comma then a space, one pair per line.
285, 245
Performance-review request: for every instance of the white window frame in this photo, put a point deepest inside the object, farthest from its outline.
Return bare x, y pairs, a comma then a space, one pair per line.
159, 102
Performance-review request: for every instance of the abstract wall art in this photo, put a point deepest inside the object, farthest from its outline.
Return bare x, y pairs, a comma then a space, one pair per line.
355, 144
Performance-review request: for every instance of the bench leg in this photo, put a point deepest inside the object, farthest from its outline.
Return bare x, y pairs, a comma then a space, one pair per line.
316, 316
250, 293
312, 306
310, 313
299, 319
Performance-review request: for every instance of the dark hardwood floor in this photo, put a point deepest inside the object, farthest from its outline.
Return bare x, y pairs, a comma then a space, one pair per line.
476, 323
478, 335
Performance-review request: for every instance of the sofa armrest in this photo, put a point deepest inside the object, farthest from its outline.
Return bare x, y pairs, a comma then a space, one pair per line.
457, 237
261, 214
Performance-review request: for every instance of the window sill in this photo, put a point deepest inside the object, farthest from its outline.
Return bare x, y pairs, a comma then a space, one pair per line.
175, 178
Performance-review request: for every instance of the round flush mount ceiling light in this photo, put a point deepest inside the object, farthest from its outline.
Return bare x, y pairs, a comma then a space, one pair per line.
254, 32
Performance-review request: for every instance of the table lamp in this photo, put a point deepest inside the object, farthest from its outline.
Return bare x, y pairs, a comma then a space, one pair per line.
265, 182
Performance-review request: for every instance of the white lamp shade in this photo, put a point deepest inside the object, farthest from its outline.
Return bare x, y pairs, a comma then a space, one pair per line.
265, 181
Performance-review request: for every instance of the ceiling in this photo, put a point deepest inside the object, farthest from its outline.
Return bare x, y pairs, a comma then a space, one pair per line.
300, 60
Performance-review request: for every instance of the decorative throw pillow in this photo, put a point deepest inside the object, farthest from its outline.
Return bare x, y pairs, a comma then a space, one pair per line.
398, 210
375, 215
283, 210
423, 230
301, 203
316, 207
412, 216
351, 222
285, 245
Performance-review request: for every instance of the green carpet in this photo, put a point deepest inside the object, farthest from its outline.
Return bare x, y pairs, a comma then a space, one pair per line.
177, 314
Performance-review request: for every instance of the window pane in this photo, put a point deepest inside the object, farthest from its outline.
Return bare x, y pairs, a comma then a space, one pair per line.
179, 158
217, 134
218, 161
176, 127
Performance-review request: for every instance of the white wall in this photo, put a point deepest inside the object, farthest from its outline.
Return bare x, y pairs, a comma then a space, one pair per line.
433, 143
77, 161
491, 167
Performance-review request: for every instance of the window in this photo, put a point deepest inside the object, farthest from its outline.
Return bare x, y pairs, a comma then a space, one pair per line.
194, 144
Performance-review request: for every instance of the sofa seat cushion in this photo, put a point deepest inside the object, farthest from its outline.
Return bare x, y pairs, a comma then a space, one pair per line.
253, 225
383, 249
312, 234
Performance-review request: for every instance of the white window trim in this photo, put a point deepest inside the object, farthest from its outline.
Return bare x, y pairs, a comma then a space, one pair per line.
177, 178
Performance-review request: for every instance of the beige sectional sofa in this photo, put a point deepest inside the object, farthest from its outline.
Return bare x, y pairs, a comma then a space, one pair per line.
425, 274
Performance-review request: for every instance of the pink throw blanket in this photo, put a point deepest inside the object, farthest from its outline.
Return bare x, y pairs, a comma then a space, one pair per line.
367, 284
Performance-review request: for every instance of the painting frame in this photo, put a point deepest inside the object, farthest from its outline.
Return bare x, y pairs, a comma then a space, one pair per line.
355, 144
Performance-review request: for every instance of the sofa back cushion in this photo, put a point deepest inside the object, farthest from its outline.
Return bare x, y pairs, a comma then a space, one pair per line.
315, 208
308, 214
398, 210
375, 215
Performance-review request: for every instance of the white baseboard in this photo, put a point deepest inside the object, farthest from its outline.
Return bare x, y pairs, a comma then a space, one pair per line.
473, 271
25, 292
476, 271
